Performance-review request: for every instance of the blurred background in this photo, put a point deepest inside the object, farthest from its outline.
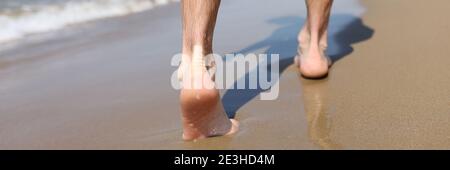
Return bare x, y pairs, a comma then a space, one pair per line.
19, 18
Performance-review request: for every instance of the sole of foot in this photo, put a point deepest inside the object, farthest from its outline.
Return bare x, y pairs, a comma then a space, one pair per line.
203, 115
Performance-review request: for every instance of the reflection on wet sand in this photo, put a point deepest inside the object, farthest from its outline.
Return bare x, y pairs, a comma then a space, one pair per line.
315, 97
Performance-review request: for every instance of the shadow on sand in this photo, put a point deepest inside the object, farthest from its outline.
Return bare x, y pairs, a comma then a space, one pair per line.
344, 31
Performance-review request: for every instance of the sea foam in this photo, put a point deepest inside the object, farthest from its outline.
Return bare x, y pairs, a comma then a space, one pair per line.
27, 20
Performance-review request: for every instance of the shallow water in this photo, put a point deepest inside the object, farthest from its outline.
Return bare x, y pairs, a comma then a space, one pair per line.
20, 18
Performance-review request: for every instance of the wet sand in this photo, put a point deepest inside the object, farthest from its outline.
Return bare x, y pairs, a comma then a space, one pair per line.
104, 85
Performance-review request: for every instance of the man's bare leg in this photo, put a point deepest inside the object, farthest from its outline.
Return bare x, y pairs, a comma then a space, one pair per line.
202, 112
313, 37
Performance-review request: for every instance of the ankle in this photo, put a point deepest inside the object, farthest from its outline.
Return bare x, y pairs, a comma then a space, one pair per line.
313, 46
196, 55
190, 48
323, 44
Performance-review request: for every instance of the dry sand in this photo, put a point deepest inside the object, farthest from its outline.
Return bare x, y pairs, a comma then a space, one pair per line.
107, 87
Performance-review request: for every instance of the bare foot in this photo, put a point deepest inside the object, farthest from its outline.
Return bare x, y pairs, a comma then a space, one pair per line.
311, 59
313, 64
203, 114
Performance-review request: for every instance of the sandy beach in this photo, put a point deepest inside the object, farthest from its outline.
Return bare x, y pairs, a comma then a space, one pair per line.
106, 84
